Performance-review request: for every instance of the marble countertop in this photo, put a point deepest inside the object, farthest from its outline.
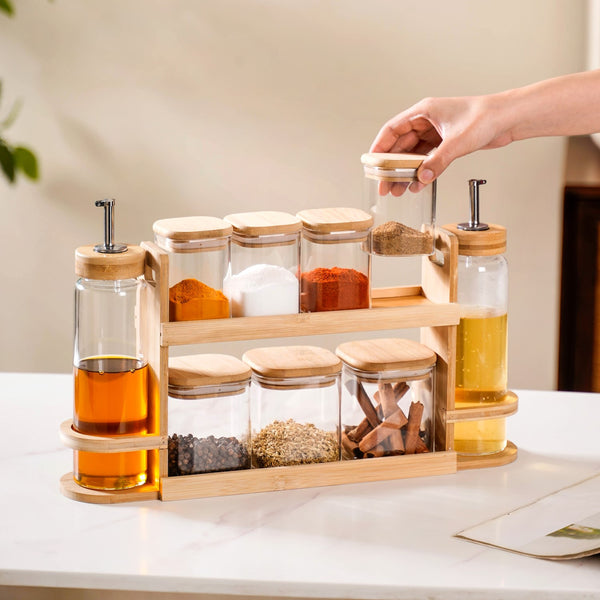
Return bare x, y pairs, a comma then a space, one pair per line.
374, 540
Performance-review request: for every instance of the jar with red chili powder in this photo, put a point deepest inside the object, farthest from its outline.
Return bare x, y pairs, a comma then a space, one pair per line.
336, 266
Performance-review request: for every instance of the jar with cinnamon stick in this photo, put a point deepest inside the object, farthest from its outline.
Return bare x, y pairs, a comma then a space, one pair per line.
336, 268
403, 208
199, 249
387, 398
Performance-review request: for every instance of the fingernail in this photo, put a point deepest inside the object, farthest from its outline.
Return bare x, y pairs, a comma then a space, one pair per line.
426, 175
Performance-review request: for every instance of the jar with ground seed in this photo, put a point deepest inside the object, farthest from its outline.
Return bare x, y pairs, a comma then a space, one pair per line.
295, 405
404, 215
387, 398
198, 250
208, 414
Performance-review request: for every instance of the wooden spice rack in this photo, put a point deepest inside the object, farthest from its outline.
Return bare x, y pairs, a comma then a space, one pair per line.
431, 307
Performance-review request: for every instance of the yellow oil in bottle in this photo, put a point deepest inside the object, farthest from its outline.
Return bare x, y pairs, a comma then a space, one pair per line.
111, 399
481, 377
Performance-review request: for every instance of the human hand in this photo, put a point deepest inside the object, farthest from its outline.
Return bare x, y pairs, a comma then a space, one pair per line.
447, 128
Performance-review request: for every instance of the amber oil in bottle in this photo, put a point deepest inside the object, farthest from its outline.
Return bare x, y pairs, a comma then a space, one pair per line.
111, 399
481, 376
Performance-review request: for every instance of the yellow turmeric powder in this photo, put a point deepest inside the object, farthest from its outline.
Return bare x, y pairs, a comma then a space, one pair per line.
191, 299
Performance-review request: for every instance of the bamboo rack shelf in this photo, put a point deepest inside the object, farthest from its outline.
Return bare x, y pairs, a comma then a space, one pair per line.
431, 307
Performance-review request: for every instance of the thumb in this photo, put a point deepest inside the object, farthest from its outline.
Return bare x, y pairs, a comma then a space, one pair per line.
437, 162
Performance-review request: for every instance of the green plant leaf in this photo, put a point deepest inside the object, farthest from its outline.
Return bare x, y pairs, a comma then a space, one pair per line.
26, 162
7, 161
15, 109
6, 7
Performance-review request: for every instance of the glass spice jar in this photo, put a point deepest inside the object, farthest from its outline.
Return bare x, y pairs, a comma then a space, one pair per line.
265, 263
387, 398
110, 370
336, 269
295, 405
209, 414
403, 209
198, 250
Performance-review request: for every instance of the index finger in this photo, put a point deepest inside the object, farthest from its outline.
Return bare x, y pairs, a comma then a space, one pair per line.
393, 130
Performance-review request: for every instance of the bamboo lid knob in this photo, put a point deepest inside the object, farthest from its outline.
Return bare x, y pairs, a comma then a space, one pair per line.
90, 264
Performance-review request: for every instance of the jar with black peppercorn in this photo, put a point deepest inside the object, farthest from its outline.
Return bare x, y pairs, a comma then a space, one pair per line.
209, 414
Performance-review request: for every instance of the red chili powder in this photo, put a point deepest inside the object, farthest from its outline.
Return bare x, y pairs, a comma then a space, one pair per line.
333, 289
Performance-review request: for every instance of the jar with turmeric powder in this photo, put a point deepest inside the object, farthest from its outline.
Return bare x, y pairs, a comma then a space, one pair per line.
387, 398
209, 414
336, 266
265, 264
199, 250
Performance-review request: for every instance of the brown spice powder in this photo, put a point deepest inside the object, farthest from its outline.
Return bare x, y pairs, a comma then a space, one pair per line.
396, 239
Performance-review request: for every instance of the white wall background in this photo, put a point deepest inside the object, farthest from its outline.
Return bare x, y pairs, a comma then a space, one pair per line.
179, 107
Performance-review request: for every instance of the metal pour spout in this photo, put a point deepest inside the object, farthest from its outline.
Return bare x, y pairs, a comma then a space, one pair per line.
474, 224
109, 246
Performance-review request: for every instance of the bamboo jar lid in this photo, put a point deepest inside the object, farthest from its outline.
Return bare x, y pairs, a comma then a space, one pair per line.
267, 222
198, 370
292, 361
384, 160
480, 243
329, 220
97, 265
191, 228
387, 354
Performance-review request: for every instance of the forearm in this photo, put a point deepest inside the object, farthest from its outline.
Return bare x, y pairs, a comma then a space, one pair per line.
568, 105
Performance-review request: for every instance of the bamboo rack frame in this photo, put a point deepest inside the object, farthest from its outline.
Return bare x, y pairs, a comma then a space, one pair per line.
431, 307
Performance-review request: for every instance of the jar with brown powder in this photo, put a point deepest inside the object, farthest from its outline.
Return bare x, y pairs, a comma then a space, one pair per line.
199, 249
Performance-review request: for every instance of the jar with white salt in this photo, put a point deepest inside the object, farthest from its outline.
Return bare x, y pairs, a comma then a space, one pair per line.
263, 278
403, 208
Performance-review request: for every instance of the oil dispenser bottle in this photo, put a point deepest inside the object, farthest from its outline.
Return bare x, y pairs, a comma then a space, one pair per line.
481, 351
110, 372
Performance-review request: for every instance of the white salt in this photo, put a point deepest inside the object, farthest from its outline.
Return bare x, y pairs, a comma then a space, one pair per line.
262, 290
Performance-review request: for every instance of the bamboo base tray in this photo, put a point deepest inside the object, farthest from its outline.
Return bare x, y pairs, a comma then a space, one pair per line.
72, 490
303, 476
508, 455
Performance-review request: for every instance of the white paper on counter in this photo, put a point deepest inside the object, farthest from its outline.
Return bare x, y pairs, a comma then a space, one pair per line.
563, 525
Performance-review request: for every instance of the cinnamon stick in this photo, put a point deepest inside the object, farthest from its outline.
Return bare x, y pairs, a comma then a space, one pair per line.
365, 403
415, 415
382, 432
348, 446
388, 396
359, 432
